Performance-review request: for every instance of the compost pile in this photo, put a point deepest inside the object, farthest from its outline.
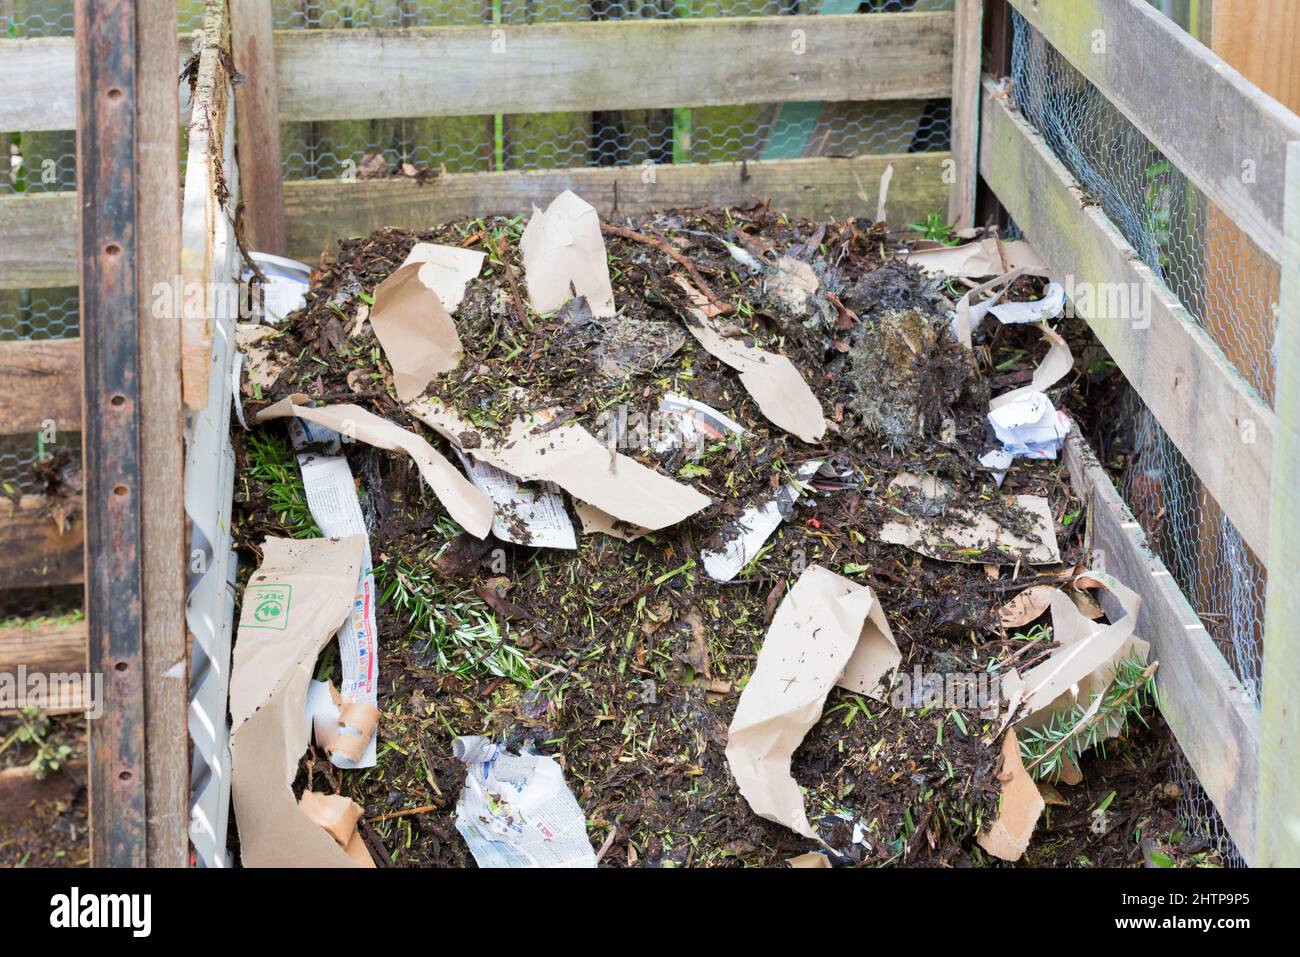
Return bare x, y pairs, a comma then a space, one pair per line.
624, 658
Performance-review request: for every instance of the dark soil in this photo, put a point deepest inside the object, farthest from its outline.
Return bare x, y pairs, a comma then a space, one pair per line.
635, 659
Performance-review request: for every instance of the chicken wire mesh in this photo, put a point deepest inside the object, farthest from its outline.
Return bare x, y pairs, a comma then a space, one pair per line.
1229, 287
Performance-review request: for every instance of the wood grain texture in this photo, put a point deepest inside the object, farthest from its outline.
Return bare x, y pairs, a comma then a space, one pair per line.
163, 526
38, 81
39, 250
40, 383
1279, 783
1207, 708
551, 67
257, 125
1219, 423
34, 551
1212, 123
321, 212
967, 30
44, 647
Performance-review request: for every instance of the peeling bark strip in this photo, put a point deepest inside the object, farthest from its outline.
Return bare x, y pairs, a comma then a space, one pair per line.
106, 144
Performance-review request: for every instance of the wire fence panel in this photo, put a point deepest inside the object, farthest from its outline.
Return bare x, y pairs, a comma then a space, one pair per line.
1230, 288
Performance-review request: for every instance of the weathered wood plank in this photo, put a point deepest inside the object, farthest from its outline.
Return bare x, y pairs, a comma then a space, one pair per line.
1279, 782
1207, 708
39, 84
550, 67
1217, 127
162, 523
967, 31
319, 213
40, 241
257, 125
44, 647
40, 383
34, 552
1219, 423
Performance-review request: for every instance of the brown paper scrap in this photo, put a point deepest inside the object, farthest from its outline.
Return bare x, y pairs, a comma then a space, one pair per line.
827, 631
772, 379
447, 270
291, 608
575, 460
1026, 606
465, 503
347, 727
1082, 667
594, 520
1020, 806
564, 256
418, 336
338, 815
980, 258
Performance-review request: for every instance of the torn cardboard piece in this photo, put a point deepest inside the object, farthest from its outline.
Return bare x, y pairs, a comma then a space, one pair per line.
1019, 806
418, 335
253, 341
964, 535
291, 608
516, 811
338, 815
594, 521
771, 379
984, 257
1082, 667
465, 503
564, 256
744, 538
827, 631
577, 462
1026, 606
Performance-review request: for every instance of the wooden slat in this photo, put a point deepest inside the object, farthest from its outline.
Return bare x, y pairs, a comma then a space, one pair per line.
40, 382
1219, 423
1279, 783
257, 119
1218, 128
321, 212
968, 24
44, 647
38, 84
40, 241
549, 67
20, 789
162, 448
34, 553
1204, 703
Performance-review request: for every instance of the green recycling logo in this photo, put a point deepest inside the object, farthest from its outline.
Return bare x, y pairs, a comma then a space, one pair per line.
267, 606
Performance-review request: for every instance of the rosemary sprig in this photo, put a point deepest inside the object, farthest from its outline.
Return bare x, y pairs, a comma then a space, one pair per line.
1070, 733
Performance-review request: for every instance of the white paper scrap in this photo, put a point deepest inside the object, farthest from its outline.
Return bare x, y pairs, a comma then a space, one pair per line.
754, 527
1030, 426
525, 514
332, 498
516, 811
285, 289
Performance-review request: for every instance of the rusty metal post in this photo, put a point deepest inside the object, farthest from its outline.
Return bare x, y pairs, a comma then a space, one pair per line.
106, 202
